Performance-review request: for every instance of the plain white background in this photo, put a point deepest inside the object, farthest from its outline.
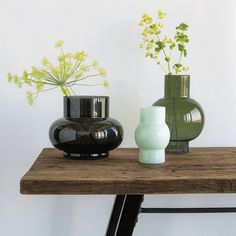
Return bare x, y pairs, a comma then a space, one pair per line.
108, 31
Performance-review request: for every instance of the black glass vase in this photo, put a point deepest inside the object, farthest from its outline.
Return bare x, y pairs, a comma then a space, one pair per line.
184, 116
86, 131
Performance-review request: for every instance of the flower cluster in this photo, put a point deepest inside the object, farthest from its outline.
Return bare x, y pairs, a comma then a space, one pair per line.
156, 46
70, 70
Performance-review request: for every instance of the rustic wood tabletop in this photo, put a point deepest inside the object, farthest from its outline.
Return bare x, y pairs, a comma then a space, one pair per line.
202, 170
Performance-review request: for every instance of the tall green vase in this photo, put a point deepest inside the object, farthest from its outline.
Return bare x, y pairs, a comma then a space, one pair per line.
184, 116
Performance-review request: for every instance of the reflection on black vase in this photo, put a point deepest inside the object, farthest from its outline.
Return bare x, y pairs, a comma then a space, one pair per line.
86, 131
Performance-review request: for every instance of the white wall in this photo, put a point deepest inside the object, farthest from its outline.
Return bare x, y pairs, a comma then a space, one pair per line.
108, 31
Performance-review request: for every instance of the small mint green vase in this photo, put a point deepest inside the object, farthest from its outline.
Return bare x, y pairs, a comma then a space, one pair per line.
152, 135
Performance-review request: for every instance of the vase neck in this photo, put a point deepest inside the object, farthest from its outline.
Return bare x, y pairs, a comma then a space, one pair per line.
153, 114
177, 86
76, 107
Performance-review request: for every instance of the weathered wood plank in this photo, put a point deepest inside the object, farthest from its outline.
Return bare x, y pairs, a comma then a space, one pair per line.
202, 170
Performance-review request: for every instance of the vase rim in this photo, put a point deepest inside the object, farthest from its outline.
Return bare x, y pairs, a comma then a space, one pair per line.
76, 107
152, 114
86, 96
153, 108
177, 75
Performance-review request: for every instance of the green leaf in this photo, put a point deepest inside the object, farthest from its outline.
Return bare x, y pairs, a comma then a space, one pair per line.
167, 59
182, 26
177, 65
181, 47
185, 52
160, 44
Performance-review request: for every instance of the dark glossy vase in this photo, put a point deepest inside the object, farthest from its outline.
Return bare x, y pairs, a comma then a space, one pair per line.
86, 131
184, 116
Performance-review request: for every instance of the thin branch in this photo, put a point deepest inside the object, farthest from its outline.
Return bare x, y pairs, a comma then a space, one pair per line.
162, 67
90, 84
164, 52
76, 80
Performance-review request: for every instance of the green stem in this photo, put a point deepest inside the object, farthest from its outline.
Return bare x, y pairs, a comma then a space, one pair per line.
164, 52
77, 64
180, 57
64, 91
31, 80
64, 68
76, 80
89, 84
44, 90
162, 67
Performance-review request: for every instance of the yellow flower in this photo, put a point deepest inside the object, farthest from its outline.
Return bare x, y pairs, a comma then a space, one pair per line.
69, 69
106, 83
79, 74
39, 85
161, 14
61, 58
30, 98
169, 41
19, 84
95, 64
149, 46
148, 54
44, 61
16, 79
68, 55
146, 19
59, 43
25, 77
9, 77
80, 56
102, 72
84, 68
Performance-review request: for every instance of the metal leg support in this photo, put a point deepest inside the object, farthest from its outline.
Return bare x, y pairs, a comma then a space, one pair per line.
124, 215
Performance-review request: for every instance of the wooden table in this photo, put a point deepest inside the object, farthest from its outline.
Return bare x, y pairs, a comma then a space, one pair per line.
202, 170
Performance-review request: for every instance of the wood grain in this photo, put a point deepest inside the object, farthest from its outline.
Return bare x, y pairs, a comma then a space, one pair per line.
202, 170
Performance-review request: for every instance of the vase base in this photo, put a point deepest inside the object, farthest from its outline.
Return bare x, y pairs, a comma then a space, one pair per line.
86, 156
177, 147
147, 156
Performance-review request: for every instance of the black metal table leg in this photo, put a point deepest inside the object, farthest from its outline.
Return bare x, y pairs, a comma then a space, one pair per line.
115, 215
124, 215
127, 207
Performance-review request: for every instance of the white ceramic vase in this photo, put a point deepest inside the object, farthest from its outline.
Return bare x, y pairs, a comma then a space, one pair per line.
152, 135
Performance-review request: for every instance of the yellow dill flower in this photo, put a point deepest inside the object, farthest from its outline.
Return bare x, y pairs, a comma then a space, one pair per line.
102, 72
61, 58
30, 98
44, 61
9, 77
106, 83
59, 43
65, 73
161, 14
80, 56
95, 64
146, 19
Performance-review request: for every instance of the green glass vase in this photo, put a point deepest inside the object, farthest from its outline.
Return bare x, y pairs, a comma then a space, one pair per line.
184, 116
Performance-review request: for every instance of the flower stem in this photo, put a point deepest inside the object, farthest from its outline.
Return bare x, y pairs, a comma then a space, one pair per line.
164, 52
162, 67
